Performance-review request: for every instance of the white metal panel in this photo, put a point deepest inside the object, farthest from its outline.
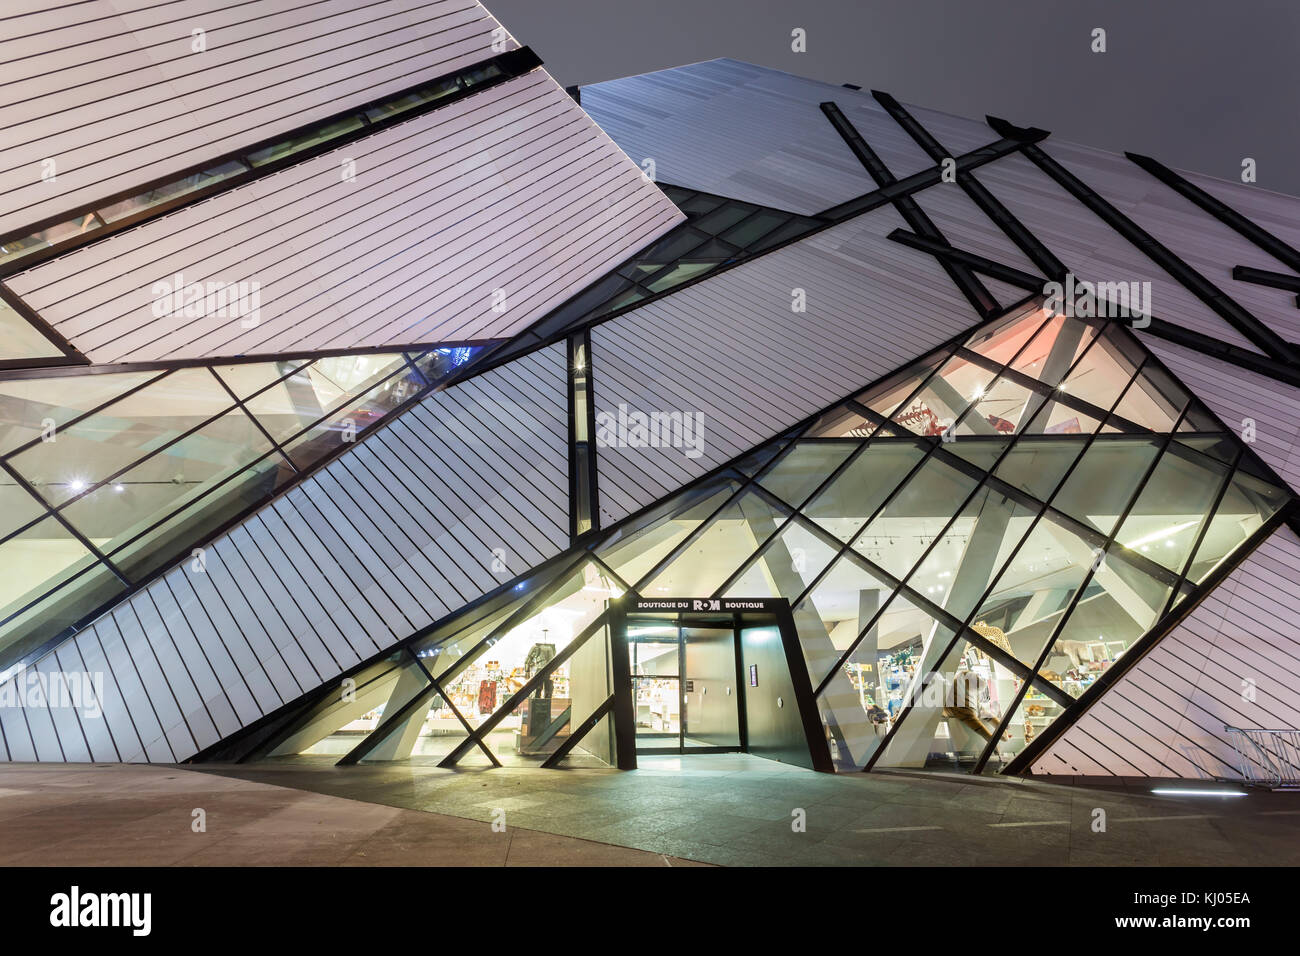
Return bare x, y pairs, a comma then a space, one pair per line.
91, 718
469, 222
1090, 248
136, 698
117, 95
750, 133
387, 539
755, 367
56, 718
1165, 716
178, 674
1196, 237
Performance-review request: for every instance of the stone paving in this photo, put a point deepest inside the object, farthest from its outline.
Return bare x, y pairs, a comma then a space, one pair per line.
735, 809
124, 815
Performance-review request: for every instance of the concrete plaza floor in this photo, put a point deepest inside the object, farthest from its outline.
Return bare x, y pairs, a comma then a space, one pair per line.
125, 815
734, 809
723, 809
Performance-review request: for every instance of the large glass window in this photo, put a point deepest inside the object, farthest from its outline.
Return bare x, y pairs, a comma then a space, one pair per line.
142, 465
20, 338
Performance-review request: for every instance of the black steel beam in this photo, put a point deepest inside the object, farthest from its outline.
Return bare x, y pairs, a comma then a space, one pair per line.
1275, 247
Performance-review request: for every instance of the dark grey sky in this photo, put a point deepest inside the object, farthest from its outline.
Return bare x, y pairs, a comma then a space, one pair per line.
1199, 84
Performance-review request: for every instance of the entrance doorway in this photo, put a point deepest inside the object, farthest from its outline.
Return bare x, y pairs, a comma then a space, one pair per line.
697, 676
686, 683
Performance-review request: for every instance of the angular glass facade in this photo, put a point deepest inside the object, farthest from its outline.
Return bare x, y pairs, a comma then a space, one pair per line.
966, 549
107, 478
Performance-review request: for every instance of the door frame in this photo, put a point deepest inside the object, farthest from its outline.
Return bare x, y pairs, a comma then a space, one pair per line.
681, 620
743, 613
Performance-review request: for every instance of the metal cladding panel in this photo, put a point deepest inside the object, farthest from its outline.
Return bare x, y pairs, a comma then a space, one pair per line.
732, 349
118, 94
1242, 399
751, 133
1165, 716
466, 223
1202, 241
449, 501
1090, 248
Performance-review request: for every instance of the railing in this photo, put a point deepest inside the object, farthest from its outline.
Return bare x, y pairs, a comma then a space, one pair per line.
1267, 758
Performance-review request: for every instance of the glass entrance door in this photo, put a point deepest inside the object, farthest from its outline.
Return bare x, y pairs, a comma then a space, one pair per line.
685, 692
710, 692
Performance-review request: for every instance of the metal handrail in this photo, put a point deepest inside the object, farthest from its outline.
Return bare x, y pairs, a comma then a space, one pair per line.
1266, 758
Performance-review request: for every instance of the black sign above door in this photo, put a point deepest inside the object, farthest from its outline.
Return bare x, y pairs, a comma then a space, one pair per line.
730, 605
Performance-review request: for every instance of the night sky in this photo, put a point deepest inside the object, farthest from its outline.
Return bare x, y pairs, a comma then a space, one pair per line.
1198, 84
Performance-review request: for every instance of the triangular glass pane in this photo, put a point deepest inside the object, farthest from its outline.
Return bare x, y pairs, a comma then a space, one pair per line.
699, 204
1036, 466
863, 698
884, 399
841, 422
635, 294
481, 680
26, 404
971, 551
791, 229
1058, 418
755, 460
725, 217
1005, 408
633, 551
834, 613
596, 750
680, 273
638, 271
1154, 400
897, 537
1055, 348
21, 339
1177, 498
755, 227
789, 563
583, 685
1036, 586
1222, 448
427, 736
1104, 371
980, 451
1247, 503
738, 531
1121, 603
804, 467
252, 377
111, 439
848, 503
1198, 419
957, 384
955, 711
1036, 713
333, 724
714, 249
674, 245
1102, 483
1001, 340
